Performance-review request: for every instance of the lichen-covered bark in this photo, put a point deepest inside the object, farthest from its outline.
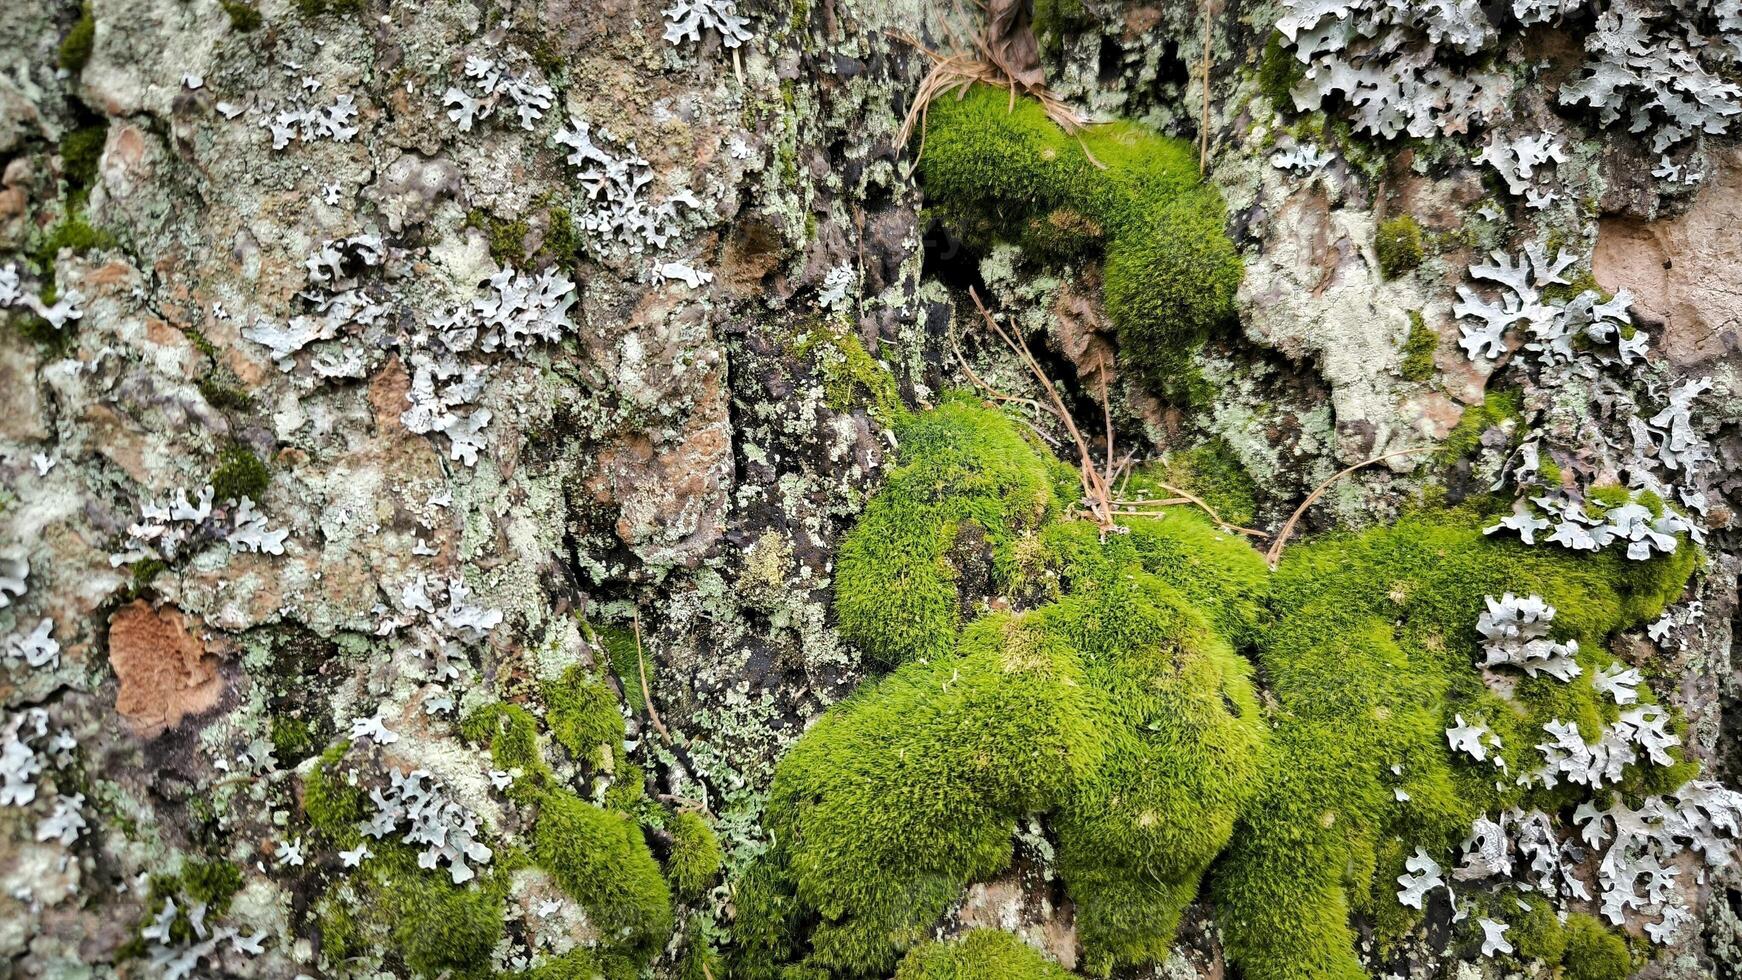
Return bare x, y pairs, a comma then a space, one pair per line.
437, 442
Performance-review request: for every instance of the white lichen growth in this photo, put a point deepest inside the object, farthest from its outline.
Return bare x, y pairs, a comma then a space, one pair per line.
447, 832
1515, 633
687, 19
492, 85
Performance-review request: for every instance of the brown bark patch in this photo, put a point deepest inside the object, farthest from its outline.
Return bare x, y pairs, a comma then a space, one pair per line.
165, 671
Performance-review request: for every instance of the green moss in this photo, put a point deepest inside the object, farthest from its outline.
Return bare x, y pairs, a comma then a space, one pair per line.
80, 151
1419, 348
1170, 270
320, 8
1593, 952
983, 954
599, 857
75, 48
627, 663
1120, 709
1279, 71
1536, 932
695, 857
239, 474
292, 741
507, 236
584, 717
966, 482
1398, 245
73, 234
211, 882
851, 376
419, 915
1369, 655
1213, 473
222, 389
511, 732
1053, 19
1497, 408
243, 17
333, 806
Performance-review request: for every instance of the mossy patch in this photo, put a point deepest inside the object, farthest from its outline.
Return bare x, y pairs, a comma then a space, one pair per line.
1119, 708
1369, 655
983, 954
585, 718
1170, 271
320, 8
238, 474
600, 858
1497, 409
1092, 680
80, 151
75, 48
695, 857
851, 376
243, 17
1212, 472
1593, 952
1419, 348
1398, 244
1279, 71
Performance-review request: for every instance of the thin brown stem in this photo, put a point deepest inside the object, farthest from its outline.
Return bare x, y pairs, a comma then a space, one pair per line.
1275, 553
647, 692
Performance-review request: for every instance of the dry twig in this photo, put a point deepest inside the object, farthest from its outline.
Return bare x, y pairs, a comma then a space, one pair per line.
1275, 553
646, 692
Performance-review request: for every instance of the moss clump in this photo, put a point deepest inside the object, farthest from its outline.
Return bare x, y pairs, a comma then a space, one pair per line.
983, 954
80, 151
73, 234
1213, 473
239, 474
851, 376
599, 857
1593, 952
243, 17
1170, 270
1536, 932
511, 733
967, 484
1119, 709
507, 236
332, 804
1398, 245
1497, 408
1053, 19
418, 915
320, 8
1370, 654
695, 857
292, 741
1279, 71
584, 717
1419, 348
75, 48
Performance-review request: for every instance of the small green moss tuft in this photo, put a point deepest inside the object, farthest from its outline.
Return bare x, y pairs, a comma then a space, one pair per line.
1419, 348
80, 151
75, 48
507, 236
320, 8
292, 741
211, 882
1593, 952
599, 857
851, 376
1497, 408
1536, 932
72, 234
584, 717
983, 954
511, 733
1053, 19
243, 17
239, 474
1170, 270
1399, 246
333, 805
967, 482
1279, 71
695, 857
